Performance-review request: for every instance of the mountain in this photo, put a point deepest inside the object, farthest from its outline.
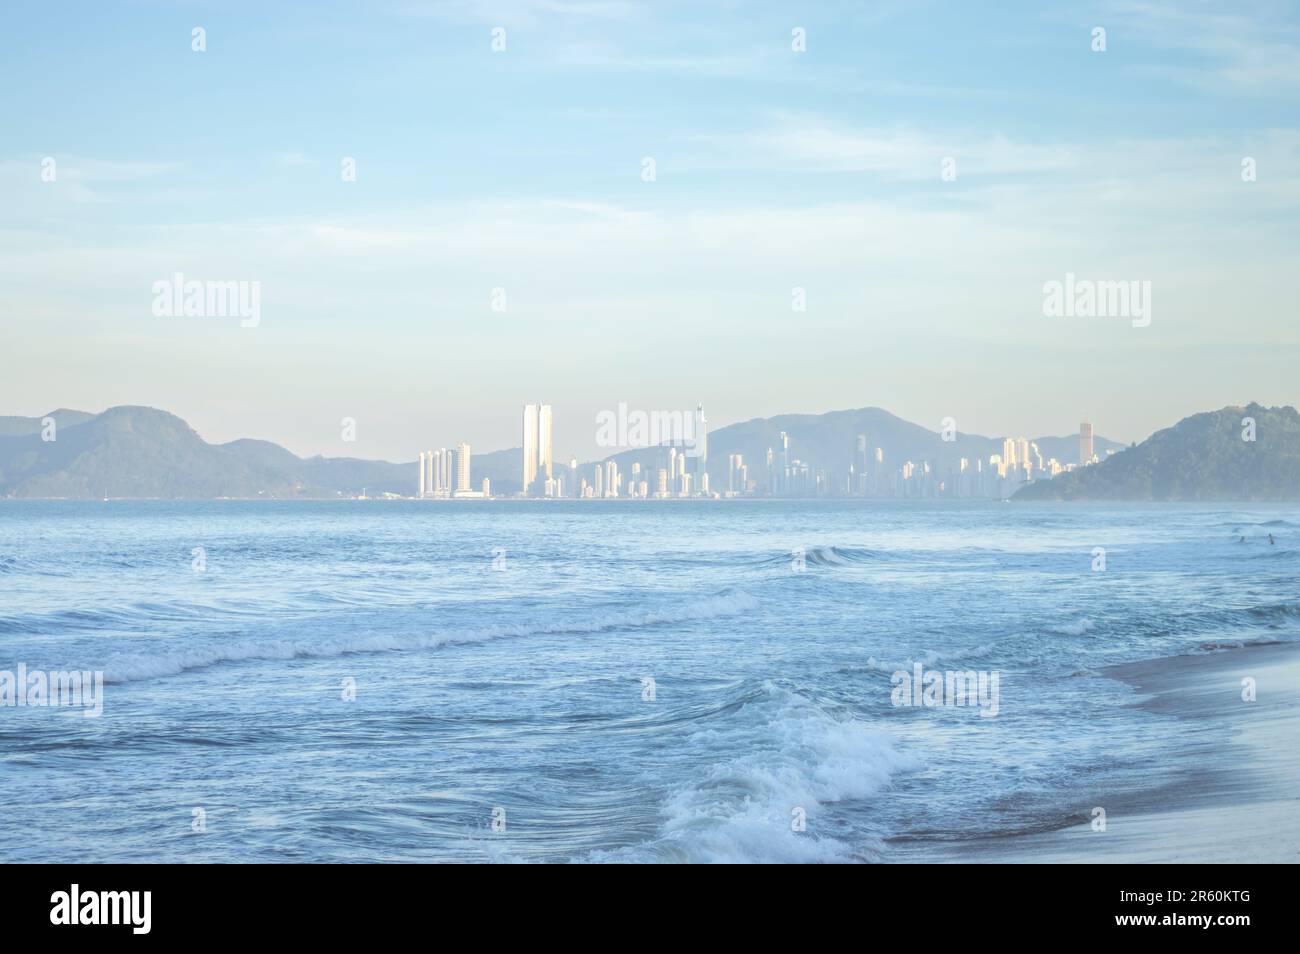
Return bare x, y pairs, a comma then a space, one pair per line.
828, 442
504, 468
144, 452
1202, 457
18, 426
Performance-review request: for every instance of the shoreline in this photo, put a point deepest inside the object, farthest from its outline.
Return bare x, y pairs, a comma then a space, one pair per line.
1240, 805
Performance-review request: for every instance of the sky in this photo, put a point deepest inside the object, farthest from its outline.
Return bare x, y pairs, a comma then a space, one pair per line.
518, 176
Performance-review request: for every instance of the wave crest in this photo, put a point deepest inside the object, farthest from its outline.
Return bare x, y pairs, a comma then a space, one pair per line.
798, 759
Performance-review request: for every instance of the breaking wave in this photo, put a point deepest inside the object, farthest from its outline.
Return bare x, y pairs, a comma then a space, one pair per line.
797, 762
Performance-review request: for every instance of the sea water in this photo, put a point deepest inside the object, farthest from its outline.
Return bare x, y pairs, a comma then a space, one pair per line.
601, 680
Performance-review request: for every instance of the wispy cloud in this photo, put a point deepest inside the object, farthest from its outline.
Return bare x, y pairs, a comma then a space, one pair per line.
1255, 48
82, 178
521, 13
815, 144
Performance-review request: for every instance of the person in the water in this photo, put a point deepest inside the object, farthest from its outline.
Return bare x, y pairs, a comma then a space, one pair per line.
1270, 539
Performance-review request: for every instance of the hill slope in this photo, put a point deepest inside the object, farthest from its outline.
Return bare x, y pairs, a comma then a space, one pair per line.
1202, 457
144, 452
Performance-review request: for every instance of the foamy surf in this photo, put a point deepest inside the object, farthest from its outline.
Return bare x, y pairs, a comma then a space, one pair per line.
1076, 627
771, 787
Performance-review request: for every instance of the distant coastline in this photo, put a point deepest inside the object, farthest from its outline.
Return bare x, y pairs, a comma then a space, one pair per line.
1240, 454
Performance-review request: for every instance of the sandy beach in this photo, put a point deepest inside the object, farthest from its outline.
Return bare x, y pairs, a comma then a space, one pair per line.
1241, 805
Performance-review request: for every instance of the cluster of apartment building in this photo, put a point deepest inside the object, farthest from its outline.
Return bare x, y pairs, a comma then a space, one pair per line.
680, 471
446, 473
996, 477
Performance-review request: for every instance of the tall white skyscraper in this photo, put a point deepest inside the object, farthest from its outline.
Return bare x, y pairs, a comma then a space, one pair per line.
421, 493
538, 448
1085, 443
462, 466
433, 476
1022, 453
440, 466
1009, 458
529, 475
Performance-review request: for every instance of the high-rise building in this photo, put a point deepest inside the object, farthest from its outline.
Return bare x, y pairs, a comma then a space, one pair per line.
528, 474
544, 449
1009, 453
433, 474
537, 464
1085, 443
462, 467
701, 439
735, 464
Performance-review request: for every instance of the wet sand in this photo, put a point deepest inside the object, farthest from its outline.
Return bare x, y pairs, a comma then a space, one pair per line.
1241, 805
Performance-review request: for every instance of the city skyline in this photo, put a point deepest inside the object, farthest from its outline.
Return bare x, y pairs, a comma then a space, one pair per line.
680, 466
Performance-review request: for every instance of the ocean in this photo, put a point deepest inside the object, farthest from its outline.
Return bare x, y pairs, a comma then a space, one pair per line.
569, 681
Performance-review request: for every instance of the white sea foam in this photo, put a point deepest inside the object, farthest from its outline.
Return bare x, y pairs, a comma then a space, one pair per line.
930, 658
796, 757
167, 662
1075, 627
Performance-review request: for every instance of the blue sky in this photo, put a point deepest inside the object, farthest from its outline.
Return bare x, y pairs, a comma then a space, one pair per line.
521, 170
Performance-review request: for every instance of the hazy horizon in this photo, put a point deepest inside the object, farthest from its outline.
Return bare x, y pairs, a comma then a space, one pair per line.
522, 169
599, 453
